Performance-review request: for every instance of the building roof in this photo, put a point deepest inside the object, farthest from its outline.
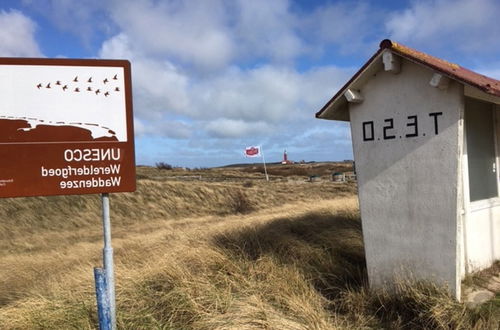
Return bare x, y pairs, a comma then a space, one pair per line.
336, 108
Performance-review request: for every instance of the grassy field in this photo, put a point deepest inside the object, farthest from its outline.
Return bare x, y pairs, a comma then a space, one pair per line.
211, 249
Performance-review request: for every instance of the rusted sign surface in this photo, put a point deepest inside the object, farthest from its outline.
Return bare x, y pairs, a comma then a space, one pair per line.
66, 127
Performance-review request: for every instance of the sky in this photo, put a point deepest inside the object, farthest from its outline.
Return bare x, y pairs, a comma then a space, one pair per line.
211, 77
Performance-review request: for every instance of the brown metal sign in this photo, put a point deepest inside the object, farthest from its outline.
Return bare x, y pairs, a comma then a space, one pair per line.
66, 127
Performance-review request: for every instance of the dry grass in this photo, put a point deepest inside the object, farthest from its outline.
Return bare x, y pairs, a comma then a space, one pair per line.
209, 256
305, 170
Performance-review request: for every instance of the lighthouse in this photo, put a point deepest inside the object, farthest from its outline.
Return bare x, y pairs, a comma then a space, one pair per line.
285, 160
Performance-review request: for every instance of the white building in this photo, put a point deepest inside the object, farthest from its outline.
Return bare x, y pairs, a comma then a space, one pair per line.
426, 139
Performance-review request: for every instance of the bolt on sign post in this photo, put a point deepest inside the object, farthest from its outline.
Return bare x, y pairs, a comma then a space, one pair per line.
66, 128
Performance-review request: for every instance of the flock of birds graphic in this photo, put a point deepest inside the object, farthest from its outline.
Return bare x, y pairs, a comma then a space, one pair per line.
97, 91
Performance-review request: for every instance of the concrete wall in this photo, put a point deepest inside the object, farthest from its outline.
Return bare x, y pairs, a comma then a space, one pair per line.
482, 237
408, 175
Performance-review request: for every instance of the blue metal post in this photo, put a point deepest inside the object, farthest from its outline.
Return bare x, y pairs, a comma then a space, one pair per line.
103, 311
108, 258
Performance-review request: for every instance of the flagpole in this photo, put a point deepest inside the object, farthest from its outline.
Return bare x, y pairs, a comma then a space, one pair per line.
264, 161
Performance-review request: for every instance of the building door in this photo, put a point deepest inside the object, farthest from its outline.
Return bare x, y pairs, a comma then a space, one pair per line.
481, 150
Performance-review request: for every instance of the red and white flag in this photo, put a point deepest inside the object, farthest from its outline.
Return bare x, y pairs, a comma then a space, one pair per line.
252, 152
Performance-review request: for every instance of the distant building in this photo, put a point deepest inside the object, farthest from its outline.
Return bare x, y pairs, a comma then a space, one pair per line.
350, 176
338, 177
343, 176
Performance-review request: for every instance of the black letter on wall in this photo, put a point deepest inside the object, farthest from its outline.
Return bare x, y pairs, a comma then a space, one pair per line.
390, 126
435, 115
410, 124
368, 124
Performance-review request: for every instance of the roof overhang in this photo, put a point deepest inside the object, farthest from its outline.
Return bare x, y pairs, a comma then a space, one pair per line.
337, 108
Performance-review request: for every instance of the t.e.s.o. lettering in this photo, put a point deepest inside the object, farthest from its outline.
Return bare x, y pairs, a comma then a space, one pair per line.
386, 128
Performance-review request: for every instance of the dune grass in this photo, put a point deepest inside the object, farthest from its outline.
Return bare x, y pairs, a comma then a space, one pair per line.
292, 258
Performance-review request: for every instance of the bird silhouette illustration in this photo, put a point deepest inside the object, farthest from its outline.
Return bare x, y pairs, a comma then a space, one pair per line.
39, 86
97, 91
77, 89
105, 80
115, 77
117, 89
58, 82
90, 80
65, 87
106, 94
48, 85
89, 89
76, 79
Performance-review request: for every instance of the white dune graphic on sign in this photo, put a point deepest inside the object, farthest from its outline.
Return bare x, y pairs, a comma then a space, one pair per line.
41, 103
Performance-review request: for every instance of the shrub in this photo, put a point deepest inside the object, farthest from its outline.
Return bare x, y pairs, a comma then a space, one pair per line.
163, 166
248, 184
239, 203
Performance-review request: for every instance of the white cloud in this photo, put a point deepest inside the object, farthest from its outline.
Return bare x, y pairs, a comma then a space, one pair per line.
216, 75
231, 128
267, 29
116, 47
267, 93
194, 90
336, 133
210, 35
232, 103
319, 84
84, 19
467, 25
159, 85
174, 129
17, 35
192, 32
351, 27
